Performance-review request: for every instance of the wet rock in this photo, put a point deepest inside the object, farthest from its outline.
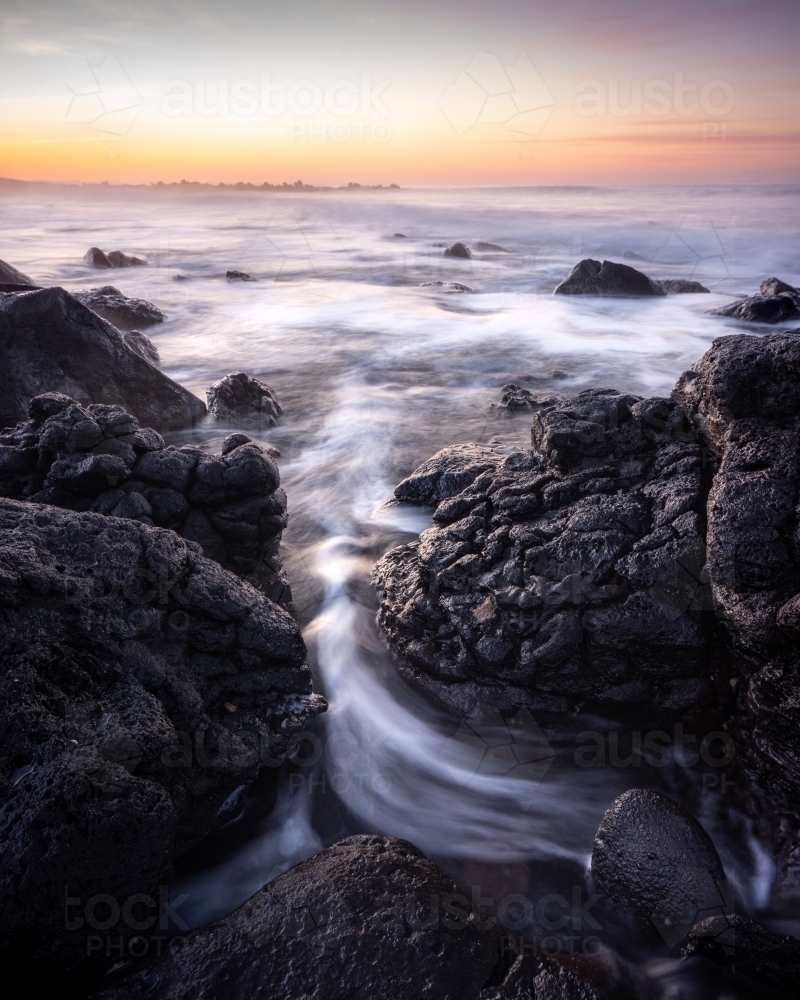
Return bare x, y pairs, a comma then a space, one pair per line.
142, 345
632, 255
238, 276
489, 247
12, 280
681, 286
776, 302
570, 573
50, 342
514, 398
368, 918
123, 312
656, 866
99, 458
458, 250
120, 646
744, 948
529, 979
241, 399
399, 236
446, 286
591, 277
95, 257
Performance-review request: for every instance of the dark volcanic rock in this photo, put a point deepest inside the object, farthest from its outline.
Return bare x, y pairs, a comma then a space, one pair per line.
123, 312
95, 257
120, 647
745, 948
142, 345
744, 396
238, 276
50, 342
99, 458
590, 277
458, 250
12, 280
241, 399
776, 302
567, 574
368, 919
514, 398
681, 286
655, 864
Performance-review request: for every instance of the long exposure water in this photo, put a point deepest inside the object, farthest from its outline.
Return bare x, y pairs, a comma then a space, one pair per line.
375, 372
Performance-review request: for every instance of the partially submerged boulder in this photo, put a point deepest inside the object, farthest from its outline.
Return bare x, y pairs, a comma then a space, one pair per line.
366, 919
123, 651
95, 257
776, 302
460, 250
124, 312
244, 401
681, 286
591, 277
142, 345
50, 342
446, 286
238, 276
567, 574
99, 458
12, 280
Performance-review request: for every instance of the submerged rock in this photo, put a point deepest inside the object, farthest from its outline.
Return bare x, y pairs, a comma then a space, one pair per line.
238, 276
98, 458
123, 312
776, 302
480, 245
241, 399
591, 277
95, 257
121, 645
681, 286
368, 919
567, 574
50, 342
458, 250
446, 286
12, 280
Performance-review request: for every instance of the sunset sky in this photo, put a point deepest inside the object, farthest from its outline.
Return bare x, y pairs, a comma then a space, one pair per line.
330, 91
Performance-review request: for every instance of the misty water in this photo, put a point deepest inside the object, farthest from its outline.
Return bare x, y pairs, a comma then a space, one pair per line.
375, 373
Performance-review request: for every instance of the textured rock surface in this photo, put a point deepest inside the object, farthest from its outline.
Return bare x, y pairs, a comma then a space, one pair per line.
142, 345
744, 395
446, 286
123, 312
50, 342
567, 574
654, 863
368, 919
745, 948
12, 280
120, 647
95, 257
98, 458
776, 302
238, 276
458, 250
681, 286
591, 277
243, 400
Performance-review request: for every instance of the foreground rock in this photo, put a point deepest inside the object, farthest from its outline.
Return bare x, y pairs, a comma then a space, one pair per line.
744, 396
50, 342
95, 257
776, 302
123, 312
98, 458
458, 250
744, 948
656, 868
141, 685
591, 277
12, 280
368, 919
244, 401
569, 574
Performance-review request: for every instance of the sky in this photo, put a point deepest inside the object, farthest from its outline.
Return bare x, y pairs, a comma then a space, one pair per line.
434, 92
